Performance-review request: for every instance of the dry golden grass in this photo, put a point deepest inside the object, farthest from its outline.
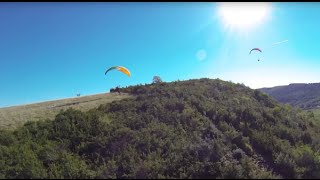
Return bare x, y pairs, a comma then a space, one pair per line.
12, 117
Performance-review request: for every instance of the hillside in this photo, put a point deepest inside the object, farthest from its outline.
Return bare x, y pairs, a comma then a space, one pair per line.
305, 96
15, 116
186, 129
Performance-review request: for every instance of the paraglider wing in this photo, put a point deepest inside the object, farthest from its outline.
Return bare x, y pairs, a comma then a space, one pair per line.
119, 68
257, 49
124, 70
114, 67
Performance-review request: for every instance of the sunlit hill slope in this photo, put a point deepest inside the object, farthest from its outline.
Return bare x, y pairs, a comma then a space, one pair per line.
199, 128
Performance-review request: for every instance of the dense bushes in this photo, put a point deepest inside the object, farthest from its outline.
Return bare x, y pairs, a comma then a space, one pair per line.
188, 129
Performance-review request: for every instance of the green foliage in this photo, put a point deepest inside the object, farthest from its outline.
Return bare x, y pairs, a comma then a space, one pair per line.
185, 129
156, 79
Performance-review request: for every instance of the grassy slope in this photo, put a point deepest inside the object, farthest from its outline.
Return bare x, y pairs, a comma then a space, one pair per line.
12, 117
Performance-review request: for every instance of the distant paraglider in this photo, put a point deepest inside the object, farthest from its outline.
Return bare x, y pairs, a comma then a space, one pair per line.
119, 68
255, 49
274, 44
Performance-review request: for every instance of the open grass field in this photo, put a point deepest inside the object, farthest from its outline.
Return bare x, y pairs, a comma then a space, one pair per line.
12, 117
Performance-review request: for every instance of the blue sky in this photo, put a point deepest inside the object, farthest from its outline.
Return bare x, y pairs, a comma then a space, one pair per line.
55, 50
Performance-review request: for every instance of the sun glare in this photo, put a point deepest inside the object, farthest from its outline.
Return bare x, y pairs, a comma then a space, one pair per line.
243, 15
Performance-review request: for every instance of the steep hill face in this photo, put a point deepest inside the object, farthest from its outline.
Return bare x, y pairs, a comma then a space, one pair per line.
305, 96
189, 129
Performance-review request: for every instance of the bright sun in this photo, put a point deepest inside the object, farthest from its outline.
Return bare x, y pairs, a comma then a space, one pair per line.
243, 15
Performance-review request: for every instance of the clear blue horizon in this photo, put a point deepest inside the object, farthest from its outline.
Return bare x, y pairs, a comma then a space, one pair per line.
53, 51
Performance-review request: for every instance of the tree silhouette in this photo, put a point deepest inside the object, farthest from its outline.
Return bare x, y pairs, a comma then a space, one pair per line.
156, 79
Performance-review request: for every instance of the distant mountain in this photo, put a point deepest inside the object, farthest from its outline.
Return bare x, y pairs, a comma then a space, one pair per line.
305, 96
